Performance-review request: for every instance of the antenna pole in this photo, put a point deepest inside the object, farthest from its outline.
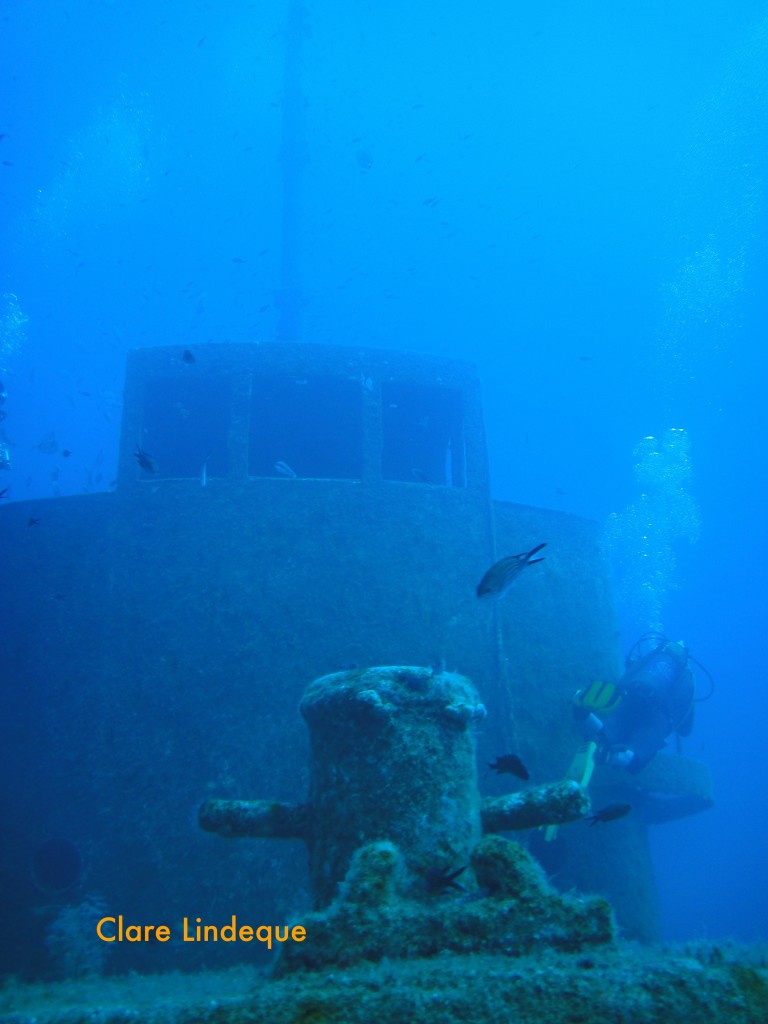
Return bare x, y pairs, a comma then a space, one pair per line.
292, 157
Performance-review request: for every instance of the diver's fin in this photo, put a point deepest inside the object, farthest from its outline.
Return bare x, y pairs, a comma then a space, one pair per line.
599, 697
580, 770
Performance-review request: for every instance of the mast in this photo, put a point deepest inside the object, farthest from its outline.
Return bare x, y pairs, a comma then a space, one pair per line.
292, 158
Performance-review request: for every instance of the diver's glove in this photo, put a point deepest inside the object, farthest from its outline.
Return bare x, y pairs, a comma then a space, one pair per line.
588, 723
620, 756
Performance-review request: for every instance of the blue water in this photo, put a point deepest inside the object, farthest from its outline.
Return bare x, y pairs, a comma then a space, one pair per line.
571, 195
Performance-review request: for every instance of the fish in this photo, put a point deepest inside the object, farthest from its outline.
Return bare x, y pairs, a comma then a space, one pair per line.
145, 460
32, 521
500, 576
609, 813
510, 764
3, 492
188, 356
439, 880
283, 469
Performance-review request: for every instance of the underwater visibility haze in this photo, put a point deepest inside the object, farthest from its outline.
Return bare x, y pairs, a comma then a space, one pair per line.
571, 197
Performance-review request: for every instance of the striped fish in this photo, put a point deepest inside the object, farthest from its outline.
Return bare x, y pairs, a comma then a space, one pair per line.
500, 576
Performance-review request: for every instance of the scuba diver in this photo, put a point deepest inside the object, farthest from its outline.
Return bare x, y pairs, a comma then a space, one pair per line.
630, 721
627, 723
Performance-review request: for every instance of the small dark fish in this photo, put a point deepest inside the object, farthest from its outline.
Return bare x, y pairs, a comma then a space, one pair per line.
500, 576
66, 453
238, 259
3, 492
188, 356
32, 521
609, 813
440, 880
145, 460
510, 764
283, 469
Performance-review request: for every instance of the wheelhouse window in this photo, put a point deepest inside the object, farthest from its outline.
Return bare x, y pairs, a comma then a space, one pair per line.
423, 434
310, 427
185, 428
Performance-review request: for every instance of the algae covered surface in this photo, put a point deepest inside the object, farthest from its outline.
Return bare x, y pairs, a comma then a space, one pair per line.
624, 983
